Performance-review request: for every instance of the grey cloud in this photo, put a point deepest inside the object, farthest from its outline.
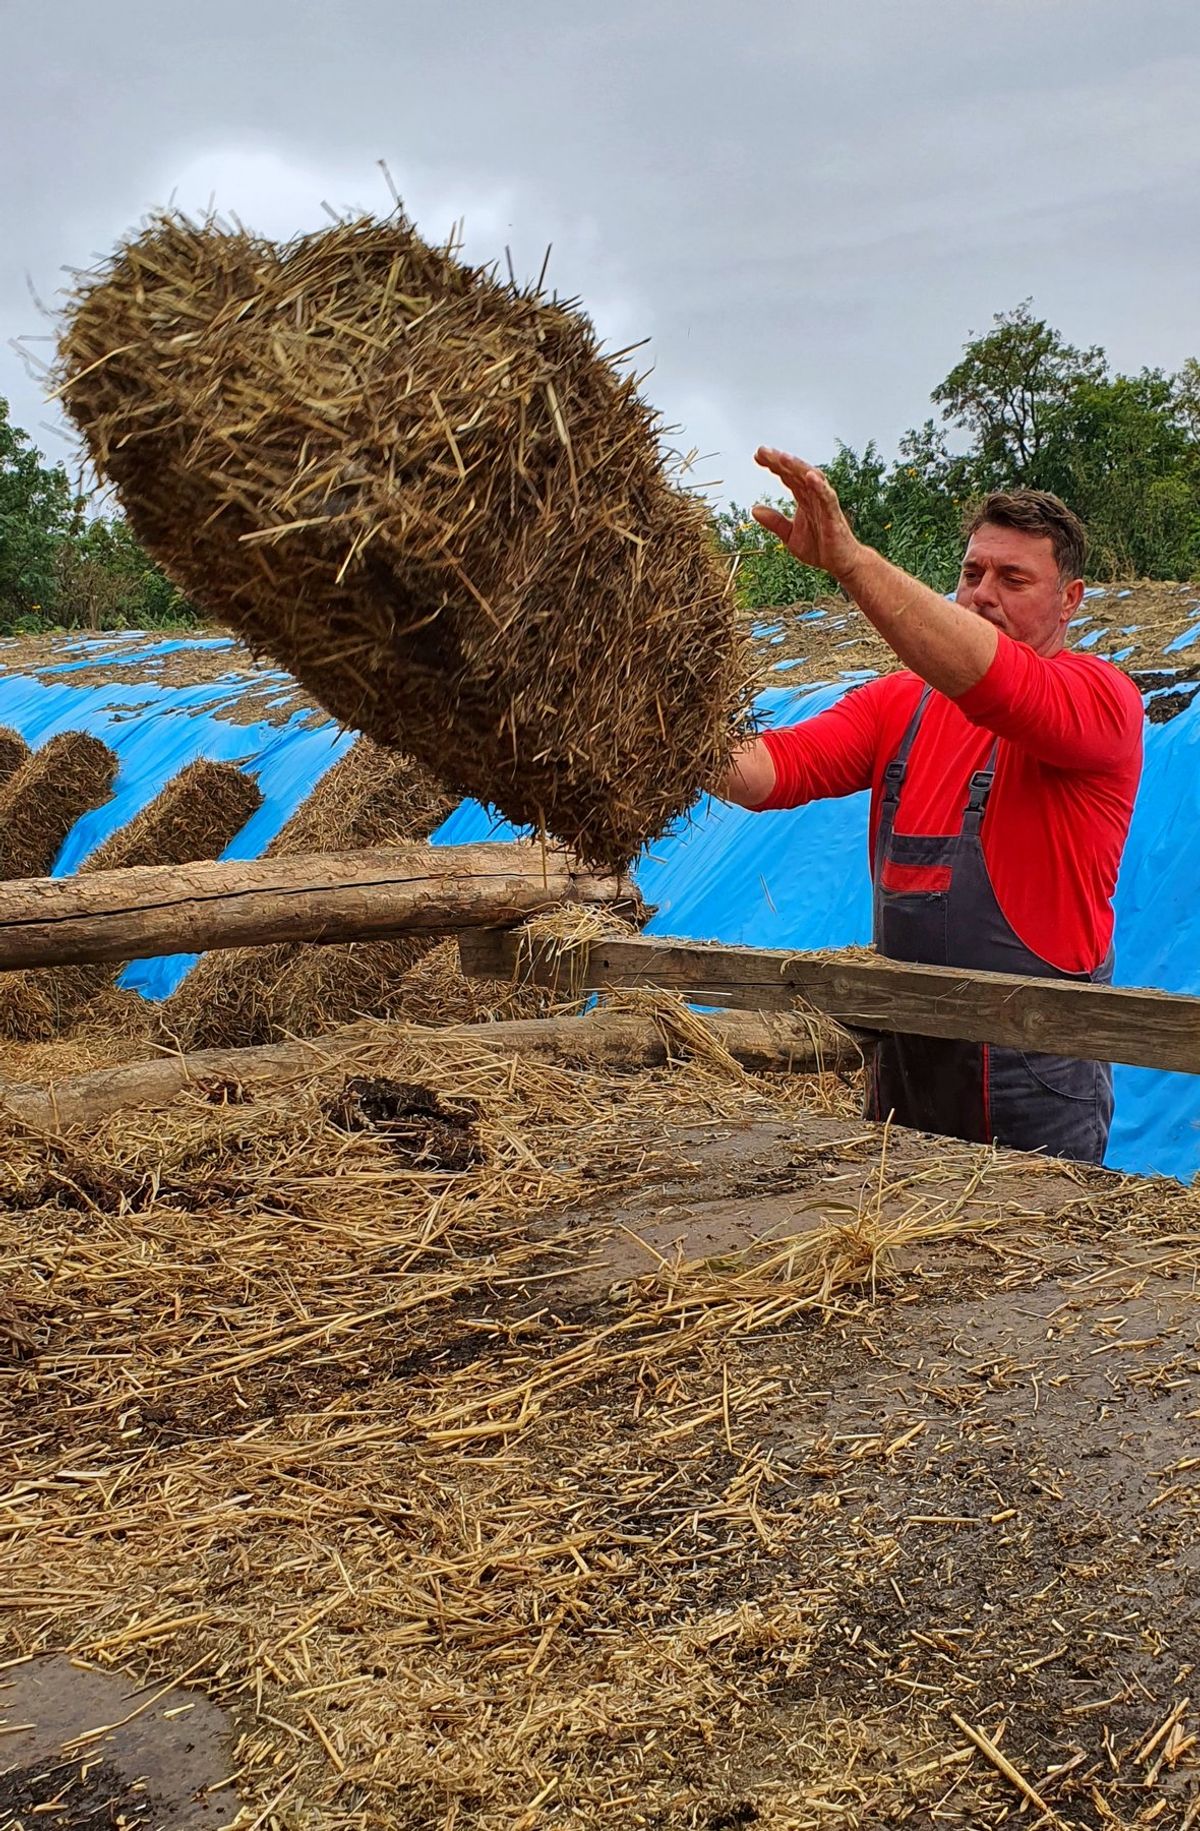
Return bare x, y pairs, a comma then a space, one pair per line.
806, 205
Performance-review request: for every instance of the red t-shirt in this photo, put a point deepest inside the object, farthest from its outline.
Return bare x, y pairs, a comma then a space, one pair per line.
1067, 769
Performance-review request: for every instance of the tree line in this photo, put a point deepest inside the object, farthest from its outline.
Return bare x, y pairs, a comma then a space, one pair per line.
1122, 450
64, 566
1030, 408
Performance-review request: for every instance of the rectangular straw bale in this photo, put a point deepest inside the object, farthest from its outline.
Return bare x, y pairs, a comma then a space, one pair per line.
13, 752
44, 797
239, 996
195, 816
433, 498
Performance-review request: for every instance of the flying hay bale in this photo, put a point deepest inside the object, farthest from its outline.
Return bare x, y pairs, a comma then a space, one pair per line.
14, 751
244, 995
430, 497
195, 816
41, 801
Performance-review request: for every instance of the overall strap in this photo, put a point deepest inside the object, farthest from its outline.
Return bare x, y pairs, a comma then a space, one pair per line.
978, 793
897, 769
893, 782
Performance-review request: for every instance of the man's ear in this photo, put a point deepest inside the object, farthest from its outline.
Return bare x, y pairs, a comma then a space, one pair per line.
1072, 598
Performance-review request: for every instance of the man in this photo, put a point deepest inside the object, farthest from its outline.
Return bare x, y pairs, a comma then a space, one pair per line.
1002, 770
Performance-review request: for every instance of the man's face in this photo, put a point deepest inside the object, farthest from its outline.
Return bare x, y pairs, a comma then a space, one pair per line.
1012, 579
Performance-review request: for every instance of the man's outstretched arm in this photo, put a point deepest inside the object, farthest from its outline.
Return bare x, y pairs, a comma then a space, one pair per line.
750, 780
948, 646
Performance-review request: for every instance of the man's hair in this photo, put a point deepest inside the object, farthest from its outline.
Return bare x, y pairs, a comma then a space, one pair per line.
1035, 512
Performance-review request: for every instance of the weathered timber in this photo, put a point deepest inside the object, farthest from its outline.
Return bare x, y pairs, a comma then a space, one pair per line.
344, 896
780, 1042
1145, 1029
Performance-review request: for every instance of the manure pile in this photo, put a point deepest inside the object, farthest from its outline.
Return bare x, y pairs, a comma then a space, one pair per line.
432, 498
507, 1446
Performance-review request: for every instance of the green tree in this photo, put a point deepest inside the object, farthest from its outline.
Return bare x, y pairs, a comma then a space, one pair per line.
925, 494
1007, 389
104, 579
38, 510
1185, 394
1120, 452
60, 567
1123, 450
766, 575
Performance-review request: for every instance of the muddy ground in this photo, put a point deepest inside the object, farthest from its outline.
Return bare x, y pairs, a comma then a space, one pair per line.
875, 1547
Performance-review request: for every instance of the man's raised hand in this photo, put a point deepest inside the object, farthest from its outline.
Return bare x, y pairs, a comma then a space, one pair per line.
818, 533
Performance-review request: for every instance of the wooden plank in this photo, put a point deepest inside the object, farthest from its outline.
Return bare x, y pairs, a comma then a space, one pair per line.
1145, 1029
345, 896
605, 1039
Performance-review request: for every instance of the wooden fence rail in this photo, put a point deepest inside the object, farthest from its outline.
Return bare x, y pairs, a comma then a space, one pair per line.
344, 896
1145, 1029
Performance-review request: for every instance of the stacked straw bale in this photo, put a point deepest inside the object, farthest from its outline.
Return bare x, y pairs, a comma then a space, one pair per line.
13, 752
431, 497
194, 817
372, 797
45, 795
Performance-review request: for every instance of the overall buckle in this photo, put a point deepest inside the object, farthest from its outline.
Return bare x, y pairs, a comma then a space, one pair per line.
981, 788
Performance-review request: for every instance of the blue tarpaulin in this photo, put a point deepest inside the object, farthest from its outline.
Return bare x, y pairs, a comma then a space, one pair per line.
795, 879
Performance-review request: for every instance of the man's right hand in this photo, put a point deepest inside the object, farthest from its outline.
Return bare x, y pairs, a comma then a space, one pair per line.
944, 643
818, 534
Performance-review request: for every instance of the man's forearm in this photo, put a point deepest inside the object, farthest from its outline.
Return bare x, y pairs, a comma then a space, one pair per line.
948, 646
750, 779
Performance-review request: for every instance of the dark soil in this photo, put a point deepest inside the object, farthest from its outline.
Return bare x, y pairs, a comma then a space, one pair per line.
1173, 692
425, 1131
75, 1796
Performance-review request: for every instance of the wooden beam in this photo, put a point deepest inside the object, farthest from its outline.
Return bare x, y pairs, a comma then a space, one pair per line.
343, 896
604, 1039
1145, 1029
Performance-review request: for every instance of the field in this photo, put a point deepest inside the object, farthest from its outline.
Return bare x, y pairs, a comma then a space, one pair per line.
419, 1434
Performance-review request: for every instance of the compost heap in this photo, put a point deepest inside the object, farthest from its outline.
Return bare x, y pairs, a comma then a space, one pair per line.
430, 496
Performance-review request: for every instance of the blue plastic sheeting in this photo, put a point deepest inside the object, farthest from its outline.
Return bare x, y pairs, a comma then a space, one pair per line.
1157, 1125
796, 879
800, 879
156, 731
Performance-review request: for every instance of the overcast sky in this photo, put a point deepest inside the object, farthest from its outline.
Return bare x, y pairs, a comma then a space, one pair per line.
807, 207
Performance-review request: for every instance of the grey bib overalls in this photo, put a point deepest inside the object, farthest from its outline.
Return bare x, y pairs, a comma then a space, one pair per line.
972, 1091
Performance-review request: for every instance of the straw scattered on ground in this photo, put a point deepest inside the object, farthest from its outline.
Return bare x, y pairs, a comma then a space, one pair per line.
430, 496
44, 797
668, 1456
